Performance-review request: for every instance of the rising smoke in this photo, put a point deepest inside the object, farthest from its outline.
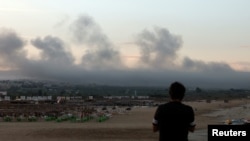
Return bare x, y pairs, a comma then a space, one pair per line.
100, 53
101, 62
158, 48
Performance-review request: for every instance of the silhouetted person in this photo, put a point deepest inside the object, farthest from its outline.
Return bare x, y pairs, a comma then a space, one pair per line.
174, 120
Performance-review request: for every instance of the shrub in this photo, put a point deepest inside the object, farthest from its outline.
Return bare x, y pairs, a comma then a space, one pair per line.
32, 119
7, 119
102, 118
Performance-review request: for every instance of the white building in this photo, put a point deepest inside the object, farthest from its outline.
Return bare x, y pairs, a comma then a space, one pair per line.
3, 93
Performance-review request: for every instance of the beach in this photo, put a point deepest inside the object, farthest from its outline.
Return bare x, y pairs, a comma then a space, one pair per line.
132, 125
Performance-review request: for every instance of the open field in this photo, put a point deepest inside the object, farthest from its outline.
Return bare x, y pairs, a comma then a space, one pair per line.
131, 125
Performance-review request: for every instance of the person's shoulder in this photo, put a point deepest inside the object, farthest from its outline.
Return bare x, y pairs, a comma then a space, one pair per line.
163, 105
187, 106
167, 104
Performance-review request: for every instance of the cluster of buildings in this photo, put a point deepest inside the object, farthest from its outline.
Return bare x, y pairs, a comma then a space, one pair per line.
5, 97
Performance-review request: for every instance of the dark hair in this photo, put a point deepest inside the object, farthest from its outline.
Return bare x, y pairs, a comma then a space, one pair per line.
177, 90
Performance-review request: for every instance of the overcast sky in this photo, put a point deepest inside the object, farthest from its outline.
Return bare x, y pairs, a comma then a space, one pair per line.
130, 42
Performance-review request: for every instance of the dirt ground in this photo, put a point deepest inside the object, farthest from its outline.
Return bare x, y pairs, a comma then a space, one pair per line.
134, 125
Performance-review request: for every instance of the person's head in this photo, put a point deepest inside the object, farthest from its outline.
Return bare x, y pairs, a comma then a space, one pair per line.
177, 91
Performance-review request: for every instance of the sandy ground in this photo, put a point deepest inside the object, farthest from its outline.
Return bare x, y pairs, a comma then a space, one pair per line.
134, 125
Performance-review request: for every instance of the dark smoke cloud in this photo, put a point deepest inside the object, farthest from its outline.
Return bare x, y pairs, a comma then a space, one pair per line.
158, 48
100, 52
56, 62
53, 50
197, 65
11, 49
102, 59
101, 62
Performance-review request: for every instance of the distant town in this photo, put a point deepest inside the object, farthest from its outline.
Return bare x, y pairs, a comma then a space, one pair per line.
32, 100
52, 90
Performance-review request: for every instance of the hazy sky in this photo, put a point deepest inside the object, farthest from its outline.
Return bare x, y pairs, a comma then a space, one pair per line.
137, 42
